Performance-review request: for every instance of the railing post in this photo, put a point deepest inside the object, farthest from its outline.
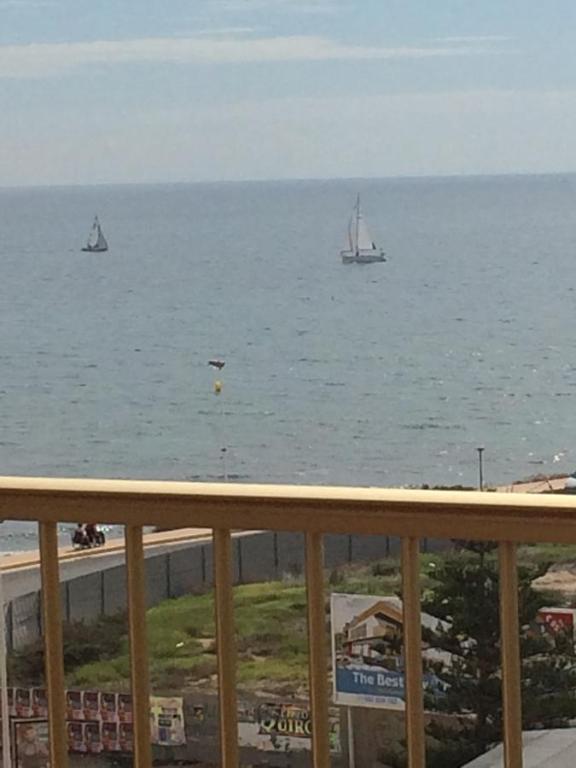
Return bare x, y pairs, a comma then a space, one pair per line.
226, 647
54, 655
318, 664
413, 653
139, 665
510, 650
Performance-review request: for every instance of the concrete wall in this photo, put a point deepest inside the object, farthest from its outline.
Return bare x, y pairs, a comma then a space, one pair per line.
257, 557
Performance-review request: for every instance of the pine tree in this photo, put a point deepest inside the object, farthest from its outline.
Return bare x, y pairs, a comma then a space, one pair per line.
464, 593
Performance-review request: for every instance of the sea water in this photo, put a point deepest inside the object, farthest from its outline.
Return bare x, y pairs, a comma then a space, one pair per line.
386, 374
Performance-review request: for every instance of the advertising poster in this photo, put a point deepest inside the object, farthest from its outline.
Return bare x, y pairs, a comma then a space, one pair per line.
92, 738
556, 622
23, 702
278, 727
125, 707
90, 705
126, 737
39, 703
367, 638
167, 721
198, 713
74, 710
31, 743
76, 737
108, 707
110, 737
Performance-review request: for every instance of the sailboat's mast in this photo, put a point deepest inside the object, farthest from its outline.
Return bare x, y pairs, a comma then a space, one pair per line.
357, 223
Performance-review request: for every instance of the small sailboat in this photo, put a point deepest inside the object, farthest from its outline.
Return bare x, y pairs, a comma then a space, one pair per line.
362, 249
96, 240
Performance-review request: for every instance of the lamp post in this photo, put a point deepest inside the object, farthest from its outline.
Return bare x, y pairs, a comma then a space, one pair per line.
480, 469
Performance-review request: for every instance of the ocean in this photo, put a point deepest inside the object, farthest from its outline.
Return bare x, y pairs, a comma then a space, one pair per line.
380, 375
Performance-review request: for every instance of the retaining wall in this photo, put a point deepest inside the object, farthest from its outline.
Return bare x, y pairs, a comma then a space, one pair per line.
257, 557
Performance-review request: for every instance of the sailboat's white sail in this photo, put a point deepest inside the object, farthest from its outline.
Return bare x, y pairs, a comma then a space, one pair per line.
96, 240
101, 244
362, 249
363, 242
93, 236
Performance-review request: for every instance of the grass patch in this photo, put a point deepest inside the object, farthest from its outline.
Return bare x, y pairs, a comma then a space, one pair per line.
271, 634
271, 631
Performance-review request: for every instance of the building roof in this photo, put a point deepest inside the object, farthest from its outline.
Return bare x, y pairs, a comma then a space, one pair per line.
391, 607
383, 608
542, 749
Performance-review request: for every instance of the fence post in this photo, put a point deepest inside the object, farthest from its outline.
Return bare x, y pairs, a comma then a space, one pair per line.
10, 626
102, 593
239, 555
276, 553
168, 567
203, 563
67, 606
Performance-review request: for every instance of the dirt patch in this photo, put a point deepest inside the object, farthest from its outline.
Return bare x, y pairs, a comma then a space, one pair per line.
560, 578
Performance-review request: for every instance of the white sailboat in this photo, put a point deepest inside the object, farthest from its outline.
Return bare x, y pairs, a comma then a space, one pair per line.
96, 240
362, 249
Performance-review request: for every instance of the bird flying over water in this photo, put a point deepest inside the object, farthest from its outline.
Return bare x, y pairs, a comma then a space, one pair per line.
217, 364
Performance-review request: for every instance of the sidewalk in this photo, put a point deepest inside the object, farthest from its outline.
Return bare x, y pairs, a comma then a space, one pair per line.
31, 559
536, 486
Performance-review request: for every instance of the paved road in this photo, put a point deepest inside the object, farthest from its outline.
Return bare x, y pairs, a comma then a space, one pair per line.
21, 571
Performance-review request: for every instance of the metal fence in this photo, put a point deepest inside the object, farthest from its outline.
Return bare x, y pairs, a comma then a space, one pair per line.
257, 557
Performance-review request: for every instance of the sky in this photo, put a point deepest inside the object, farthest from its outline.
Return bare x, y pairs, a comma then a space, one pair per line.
114, 91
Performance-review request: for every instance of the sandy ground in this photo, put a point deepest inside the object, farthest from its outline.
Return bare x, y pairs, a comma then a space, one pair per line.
560, 578
534, 486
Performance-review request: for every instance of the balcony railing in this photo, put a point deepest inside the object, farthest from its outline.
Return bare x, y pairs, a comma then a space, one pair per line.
315, 511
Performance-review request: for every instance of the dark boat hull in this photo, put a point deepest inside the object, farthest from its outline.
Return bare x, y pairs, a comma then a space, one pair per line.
94, 250
362, 257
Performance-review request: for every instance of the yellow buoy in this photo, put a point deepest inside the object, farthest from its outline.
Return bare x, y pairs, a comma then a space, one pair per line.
217, 387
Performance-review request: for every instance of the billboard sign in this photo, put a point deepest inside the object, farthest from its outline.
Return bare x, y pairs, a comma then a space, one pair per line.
367, 658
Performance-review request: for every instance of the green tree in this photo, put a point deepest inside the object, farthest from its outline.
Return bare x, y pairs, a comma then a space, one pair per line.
464, 593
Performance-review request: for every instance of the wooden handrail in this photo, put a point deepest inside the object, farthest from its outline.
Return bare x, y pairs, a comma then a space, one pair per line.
315, 511
396, 512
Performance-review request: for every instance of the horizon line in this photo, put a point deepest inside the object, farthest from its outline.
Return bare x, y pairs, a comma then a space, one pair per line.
286, 180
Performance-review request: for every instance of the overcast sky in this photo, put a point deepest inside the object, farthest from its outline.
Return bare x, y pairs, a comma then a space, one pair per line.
96, 91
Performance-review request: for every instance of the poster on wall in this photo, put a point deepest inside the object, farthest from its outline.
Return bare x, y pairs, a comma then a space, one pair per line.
39, 702
108, 707
126, 737
110, 737
282, 727
125, 707
31, 743
23, 702
76, 741
90, 705
557, 622
74, 710
167, 721
367, 637
93, 738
